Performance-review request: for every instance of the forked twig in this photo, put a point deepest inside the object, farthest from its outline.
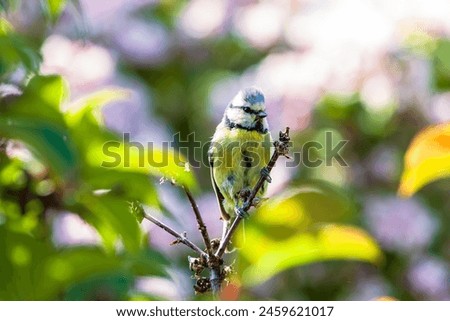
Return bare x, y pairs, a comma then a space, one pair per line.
213, 261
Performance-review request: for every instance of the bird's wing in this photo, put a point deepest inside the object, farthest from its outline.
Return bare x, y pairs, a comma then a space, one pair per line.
219, 195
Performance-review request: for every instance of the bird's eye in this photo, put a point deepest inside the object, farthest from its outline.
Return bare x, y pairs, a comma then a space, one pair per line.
247, 109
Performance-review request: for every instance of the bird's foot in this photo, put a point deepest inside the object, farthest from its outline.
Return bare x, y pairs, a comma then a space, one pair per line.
244, 193
241, 213
265, 173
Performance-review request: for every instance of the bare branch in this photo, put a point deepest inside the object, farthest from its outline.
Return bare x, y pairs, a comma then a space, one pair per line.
180, 238
200, 224
209, 259
213, 262
281, 149
216, 279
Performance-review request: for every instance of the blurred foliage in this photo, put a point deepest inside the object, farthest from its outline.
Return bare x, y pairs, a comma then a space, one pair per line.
441, 65
67, 166
301, 233
15, 51
266, 256
53, 8
427, 159
311, 240
33, 269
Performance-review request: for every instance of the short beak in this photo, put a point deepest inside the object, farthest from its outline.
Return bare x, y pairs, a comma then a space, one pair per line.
261, 114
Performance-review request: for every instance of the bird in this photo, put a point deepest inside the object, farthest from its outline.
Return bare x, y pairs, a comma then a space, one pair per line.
239, 152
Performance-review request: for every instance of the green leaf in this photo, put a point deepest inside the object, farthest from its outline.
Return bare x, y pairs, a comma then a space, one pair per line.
41, 100
337, 106
32, 269
70, 266
49, 143
35, 119
262, 257
5, 27
294, 229
105, 149
112, 214
14, 51
12, 175
105, 287
147, 262
107, 232
53, 8
298, 208
427, 159
19, 257
441, 65
6, 5
124, 185
90, 136
94, 102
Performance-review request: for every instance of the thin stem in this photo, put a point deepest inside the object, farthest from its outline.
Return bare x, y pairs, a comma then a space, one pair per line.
200, 224
180, 237
281, 148
214, 261
215, 279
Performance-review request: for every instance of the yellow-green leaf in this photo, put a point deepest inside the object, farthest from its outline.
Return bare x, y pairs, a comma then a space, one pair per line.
125, 185
298, 208
5, 27
33, 269
49, 143
92, 103
114, 215
105, 149
427, 159
14, 51
54, 8
263, 257
41, 100
301, 225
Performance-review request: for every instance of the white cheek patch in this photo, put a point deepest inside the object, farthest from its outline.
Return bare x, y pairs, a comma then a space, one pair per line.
238, 116
234, 114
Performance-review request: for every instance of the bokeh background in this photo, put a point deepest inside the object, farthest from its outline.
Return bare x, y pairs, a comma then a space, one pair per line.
373, 72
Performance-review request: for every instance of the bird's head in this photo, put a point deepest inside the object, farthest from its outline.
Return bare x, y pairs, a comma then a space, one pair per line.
247, 109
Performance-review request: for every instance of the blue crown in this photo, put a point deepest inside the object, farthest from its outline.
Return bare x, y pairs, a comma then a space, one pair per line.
253, 95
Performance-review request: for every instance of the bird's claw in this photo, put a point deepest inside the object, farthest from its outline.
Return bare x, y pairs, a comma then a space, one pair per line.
241, 213
266, 174
244, 193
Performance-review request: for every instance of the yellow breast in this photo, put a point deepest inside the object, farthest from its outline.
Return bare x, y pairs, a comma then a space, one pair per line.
239, 155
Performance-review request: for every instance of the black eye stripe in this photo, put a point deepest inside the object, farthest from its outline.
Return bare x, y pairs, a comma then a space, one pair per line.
249, 110
246, 109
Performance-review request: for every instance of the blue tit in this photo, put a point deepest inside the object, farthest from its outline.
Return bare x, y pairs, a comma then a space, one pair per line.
239, 152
